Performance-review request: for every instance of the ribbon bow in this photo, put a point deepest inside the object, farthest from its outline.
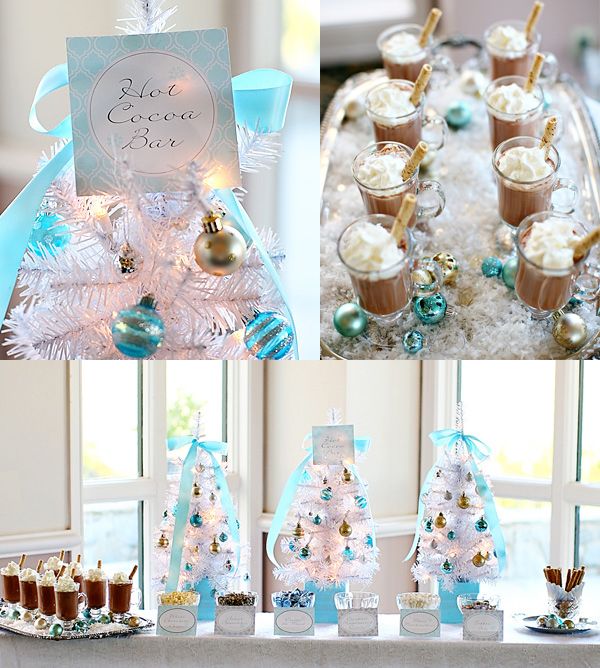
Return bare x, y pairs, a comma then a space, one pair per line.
361, 445
260, 100
448, 439
183, 501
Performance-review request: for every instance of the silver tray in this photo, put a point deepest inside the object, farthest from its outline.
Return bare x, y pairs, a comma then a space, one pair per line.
487, 321
581, 627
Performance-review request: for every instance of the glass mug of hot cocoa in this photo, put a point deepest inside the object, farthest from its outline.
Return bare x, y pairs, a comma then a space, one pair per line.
377, 171
379, 268
395, 118
527, 179
548, 270
10, 583
46, 595
28, 589
94, 587
121, 595
69, 602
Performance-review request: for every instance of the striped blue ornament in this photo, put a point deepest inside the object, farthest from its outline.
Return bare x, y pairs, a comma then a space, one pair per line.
361, 502
138, 331
269, 336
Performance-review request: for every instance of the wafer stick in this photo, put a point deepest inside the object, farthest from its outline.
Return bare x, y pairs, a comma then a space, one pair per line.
549, 132
403, 216
532, 19
534, 72
78, 559
429, 27
415, 160
99, 564
420, 84
38, 568
62, 571
585, 243
22, 560
72, 573
133, 572
61, 555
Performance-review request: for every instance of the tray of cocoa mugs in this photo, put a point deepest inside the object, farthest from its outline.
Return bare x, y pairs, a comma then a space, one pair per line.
447, 282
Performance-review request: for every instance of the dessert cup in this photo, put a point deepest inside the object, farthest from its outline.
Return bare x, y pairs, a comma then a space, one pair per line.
95, 590
11, 589
28, 596
68, 606
121, 596
46, 601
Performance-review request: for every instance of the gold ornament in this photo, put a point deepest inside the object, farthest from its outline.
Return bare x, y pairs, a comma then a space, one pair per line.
440, 521
448, 265
347, 475
219, 250
569, 331
463, 501
478, 560
214, 547
345, 529
28, 616
298, 532
40, 624
196, 491
133, 622
163, 541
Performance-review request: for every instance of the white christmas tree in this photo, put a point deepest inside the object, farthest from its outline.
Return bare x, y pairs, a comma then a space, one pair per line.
127, 266
455, 536
211, 547
332, 528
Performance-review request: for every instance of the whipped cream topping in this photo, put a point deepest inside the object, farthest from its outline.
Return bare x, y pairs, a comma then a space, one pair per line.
95, 575
402, 47
550, 243
507, 38
512, 99
75, 568
381, 170
48, 579
390, 101
28, 575
120, 578
524, 164
66, 583
53, 564
368, 247
12, 568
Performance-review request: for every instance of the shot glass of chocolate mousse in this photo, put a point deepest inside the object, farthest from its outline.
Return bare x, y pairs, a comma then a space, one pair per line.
395, 118
527, 180
379, 269
547, 271
46, 595
94, 587
10, 583
377, 171
28, 596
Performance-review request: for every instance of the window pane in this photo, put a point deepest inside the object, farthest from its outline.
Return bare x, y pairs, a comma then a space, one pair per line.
510, 406
109, 420
590, 424
526, 530
589, 556
300, 41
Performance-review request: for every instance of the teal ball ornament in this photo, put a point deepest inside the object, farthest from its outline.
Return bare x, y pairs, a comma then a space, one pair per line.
348, 554
431, 310
317, 520
188, 567
350, 320
104, 619
369, 540
326, 494
451, 535
55, 631
509, 272
86, 613
269, 336
138, 331
3, 612
48, 236
481, 525
413, 342
459, 115
196, 520
292, 546
223, 537
304, 553
360, 502
491, 267
447, 567
428, 526
14, 615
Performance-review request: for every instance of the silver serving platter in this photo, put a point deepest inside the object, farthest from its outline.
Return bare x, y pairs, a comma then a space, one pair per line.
342, 137
580, 627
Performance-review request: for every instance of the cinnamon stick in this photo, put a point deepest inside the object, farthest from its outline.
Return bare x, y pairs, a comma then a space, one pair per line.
133, 572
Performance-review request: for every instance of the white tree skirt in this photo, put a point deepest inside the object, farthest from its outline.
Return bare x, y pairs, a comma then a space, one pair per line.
487, 319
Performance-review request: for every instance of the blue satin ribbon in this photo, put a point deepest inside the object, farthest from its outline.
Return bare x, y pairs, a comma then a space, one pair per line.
447, 439
183, 501
361, 445
261, 99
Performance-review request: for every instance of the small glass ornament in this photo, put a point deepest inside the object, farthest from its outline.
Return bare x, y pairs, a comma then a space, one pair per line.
15, 615
128, 261
509, 272
459, 115
163, 541
188, 567
292, 546
481, 525
350, 320
448, 495
491, 267
451, 535
569, 330
326, 494
413, 341
48, 236
440, 521
348, 553
428, 525
196, 520
56, 630
104, 619
223, 537
347, 475
138, 331
214, 547
220, 249
228, 566
360, 502
317, 520
298, 531
345, 529
269, 336
369, 540
448, 265
447, 567
431, 310
426, 278
304, 553
463, 501
40, 624
478, 560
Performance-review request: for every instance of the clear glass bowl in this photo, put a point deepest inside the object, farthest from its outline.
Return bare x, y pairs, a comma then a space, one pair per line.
281, 599
178, 598
356, 599
416, 600
237, 598
478, 602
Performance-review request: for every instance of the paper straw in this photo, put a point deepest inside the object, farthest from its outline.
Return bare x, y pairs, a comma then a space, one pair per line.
429, 27
420, 84
407, 209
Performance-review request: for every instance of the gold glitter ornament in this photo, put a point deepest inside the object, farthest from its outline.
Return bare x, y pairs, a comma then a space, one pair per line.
347, 475
478, 560
345, 529
214, 547
448, 265
133, 622
463, 502
196, 491
440, 521
163, 541
298, 531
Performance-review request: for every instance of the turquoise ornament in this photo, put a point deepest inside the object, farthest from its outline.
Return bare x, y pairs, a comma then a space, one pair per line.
3, 612
431, 310
459, 115
196, 520
47, 235
55, 631
187, 586
86, 613
481, 525
451, 535
326, 494
292, 546
350, 320
428, 526
317, 520
304, 553
104, 619
491, 266
138, 331
347, 554
269, 336
447, 567
360, 502
15, 614
369, 540
509, 272
413, 341
188, 567
79, 626
223, 537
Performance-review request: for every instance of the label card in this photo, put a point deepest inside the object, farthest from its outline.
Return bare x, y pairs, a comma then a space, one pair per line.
483, 624
294, 622
358, 622
235, 620
158, 101
420, 623
333, 444
176, 620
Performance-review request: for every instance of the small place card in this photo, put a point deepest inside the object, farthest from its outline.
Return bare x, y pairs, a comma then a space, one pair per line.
176, 620
358, 622
333, 444
420, 623
235, 620
294, 622
158, 101
483, 624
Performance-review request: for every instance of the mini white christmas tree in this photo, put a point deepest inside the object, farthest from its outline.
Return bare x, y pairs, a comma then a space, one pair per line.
459, 528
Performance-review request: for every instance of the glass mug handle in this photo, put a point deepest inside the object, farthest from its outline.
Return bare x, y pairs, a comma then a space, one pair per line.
573, 193
587, 285
430, 190
82, 601
436, 129
444, 71
136, 598
549, 73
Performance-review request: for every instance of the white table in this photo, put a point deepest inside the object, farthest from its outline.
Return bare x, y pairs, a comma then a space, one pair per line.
519, 649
